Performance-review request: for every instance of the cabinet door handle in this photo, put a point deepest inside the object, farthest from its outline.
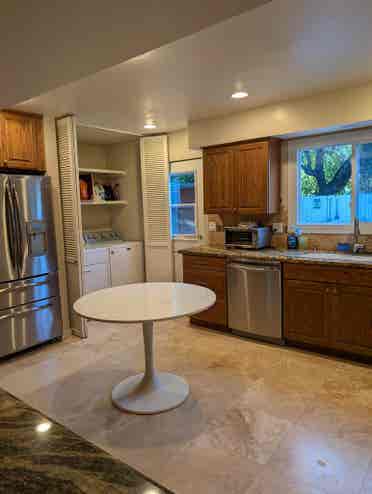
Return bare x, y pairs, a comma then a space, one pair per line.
87, 270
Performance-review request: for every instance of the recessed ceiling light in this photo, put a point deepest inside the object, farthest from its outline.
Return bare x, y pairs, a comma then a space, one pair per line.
239, 95
149, 126
43, 427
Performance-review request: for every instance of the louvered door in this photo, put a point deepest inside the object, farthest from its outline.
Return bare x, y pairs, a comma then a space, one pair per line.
72, 230
155, 194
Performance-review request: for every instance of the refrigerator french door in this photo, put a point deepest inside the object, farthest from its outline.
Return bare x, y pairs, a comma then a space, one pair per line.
29, 298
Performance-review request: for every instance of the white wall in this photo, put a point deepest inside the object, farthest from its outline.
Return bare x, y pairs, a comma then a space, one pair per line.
178, 147
323, 112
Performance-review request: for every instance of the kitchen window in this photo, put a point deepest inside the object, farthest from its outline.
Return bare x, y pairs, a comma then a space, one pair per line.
183, 204
330, 183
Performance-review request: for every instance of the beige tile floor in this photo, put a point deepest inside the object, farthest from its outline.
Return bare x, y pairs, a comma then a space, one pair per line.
260, 419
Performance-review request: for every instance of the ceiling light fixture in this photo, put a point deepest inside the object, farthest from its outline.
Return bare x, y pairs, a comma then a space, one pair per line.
239, 95
150, 125
43, 427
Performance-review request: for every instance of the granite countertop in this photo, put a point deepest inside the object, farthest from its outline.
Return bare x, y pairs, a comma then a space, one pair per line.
57, 460
318, 257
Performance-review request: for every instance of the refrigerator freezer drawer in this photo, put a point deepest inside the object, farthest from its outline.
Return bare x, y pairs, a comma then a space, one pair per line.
26, 291
27, 325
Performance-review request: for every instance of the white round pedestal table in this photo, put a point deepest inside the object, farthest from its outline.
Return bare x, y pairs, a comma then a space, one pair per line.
149, 392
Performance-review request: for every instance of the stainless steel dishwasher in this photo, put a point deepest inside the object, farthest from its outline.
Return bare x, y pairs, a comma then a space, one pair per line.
255, 299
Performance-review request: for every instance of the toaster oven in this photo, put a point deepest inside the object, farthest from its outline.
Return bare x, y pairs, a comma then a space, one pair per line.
247, 237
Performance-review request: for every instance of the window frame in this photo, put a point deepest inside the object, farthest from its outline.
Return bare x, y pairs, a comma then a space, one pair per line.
354, 138
180, 171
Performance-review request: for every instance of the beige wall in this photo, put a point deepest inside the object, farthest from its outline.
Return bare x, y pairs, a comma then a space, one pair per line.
92, 156
178, 147
52, 170
325, 111
129, 220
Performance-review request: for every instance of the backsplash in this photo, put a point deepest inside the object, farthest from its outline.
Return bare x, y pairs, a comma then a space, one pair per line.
327, 242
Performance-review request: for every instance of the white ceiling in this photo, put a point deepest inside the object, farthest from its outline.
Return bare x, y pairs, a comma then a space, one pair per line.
283, 49
45, 44
97, 135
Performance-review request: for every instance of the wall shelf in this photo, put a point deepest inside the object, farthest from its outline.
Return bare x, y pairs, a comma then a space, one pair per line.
101, 171
104, 203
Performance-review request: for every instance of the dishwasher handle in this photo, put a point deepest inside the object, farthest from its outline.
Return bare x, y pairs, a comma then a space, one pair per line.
253, 267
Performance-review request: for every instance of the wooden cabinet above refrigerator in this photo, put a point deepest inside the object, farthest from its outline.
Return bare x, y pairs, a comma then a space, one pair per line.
242, 178
21, 141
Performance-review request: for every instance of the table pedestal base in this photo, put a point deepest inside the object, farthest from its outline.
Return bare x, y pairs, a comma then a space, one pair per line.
138, 395
150, 392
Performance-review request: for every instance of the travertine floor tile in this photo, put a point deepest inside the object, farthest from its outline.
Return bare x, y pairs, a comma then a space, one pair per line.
260, 419
307, 461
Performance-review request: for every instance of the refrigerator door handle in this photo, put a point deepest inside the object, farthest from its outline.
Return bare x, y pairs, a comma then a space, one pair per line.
20, 313
22, 287
10, 226
17, 216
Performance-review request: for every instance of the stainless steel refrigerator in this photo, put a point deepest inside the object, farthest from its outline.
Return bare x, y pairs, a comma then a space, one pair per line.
29, 297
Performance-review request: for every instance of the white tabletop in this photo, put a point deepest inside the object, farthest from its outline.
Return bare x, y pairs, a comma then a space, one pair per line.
145, 302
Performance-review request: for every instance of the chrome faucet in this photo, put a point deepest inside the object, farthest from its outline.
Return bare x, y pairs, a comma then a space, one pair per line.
357, 247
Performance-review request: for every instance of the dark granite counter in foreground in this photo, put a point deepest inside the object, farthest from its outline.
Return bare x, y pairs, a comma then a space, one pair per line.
298, 256
57, 461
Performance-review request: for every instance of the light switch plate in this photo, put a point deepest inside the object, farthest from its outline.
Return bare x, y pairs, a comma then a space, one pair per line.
278, 227
212, 226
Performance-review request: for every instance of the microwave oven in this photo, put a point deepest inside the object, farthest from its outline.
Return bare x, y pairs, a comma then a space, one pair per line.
247, 237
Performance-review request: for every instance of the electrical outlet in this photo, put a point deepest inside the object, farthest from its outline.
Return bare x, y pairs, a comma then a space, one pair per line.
212, 226
278, 227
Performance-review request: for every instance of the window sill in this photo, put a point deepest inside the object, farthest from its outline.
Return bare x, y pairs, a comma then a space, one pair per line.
185, 237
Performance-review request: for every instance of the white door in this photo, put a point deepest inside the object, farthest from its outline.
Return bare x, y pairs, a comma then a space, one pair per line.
96, 277
127, 264
72, 228
188, 221
155, 197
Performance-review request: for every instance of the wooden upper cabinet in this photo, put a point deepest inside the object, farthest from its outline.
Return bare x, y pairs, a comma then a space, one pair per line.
22, 144
218, 180
243, 178
251, 174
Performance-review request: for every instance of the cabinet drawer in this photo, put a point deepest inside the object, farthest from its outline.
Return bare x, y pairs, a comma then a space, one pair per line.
30, 324
191, 262
328, 274
95, 256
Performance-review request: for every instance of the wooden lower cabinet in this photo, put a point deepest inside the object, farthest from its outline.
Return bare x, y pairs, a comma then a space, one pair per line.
331, 314
210, 272
351, 328
305, 308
